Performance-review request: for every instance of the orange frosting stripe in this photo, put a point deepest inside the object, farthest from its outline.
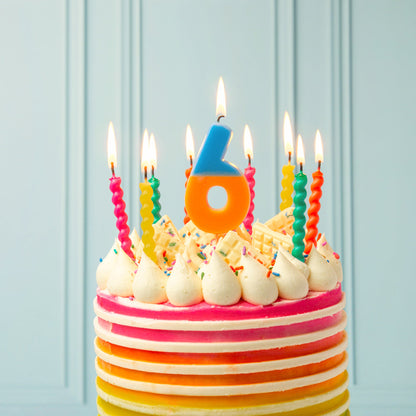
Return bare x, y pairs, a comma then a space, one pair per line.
221, 380
315, 410
221, 358
152, 399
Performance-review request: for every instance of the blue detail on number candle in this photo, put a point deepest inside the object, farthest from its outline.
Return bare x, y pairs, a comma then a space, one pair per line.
210, 159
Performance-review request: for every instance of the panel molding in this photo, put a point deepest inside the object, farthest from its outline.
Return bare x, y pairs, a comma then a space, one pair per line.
371, 400
73, 268
285, 76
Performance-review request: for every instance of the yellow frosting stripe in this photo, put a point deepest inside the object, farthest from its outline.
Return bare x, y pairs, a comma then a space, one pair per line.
335, 406
152, 399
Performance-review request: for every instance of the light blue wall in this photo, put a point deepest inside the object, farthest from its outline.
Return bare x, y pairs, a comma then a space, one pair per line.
68, 67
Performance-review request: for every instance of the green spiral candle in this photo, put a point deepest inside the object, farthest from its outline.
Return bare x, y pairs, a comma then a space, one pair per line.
300, 206
154, 183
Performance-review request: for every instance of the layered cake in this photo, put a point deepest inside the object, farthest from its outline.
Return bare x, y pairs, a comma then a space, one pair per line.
227, 324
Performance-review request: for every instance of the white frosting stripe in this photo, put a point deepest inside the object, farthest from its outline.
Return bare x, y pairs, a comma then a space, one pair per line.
226, 390
215, 325
220, 369
240, 411
217, 346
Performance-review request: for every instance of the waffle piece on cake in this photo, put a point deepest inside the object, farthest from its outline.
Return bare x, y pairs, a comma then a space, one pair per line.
267, 241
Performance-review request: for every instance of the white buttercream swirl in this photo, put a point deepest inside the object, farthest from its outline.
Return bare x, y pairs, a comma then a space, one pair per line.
121, 276
291, 276
149, 284
326, 250
107, 265
220, 286
184, 286
257, 288
322, 276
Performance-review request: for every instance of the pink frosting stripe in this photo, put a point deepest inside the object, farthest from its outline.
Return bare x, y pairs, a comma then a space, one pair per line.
161, 335
242, 310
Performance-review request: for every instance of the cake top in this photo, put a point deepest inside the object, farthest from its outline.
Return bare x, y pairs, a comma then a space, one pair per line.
194, 266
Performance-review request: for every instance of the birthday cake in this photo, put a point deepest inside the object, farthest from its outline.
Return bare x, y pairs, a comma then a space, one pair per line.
228, 324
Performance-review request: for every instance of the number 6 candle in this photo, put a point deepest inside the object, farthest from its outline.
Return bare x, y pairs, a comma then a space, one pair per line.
211, 170
300, 206
316, 193
115, 188
147, 204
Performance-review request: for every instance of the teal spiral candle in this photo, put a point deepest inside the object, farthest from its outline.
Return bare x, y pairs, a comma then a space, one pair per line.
299, 214
154, 183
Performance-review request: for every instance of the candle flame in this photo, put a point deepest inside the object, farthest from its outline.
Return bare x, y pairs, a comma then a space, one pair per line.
145, 151
287, 134
221, 104
190, 148
111, 147
152, 155
248, 142
300, 153
319, 149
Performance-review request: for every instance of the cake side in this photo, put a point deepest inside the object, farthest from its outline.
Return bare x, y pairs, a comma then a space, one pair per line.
230, 326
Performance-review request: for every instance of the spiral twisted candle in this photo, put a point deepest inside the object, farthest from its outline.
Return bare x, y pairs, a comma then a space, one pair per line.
299, 214
314, 206
249, 174
119, 211
154, 183
147, 220
187, 174
287, 187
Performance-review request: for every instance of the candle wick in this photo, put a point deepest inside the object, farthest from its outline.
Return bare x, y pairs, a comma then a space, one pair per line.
112, 169
301, 167
319, 165
153, 170
220, 117
191, 161
145, 173
249, 160
290, 157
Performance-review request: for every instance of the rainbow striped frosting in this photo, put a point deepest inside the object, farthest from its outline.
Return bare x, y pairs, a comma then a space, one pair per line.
285, 359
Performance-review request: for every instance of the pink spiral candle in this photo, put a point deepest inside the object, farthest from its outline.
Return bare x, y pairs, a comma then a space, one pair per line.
249, 174
121, 215
187, 174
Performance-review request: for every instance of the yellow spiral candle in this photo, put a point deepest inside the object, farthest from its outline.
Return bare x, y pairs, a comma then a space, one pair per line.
287, 186
287, 170
146, 193
147, 219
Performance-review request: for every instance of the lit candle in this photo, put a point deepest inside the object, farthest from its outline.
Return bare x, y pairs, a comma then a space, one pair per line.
300, 206
249, 174
287, 170
211, 170
115, 188
190, 154
316, 193
146, 204
154, 182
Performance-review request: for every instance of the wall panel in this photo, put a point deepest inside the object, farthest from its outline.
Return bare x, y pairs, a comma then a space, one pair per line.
42, 118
